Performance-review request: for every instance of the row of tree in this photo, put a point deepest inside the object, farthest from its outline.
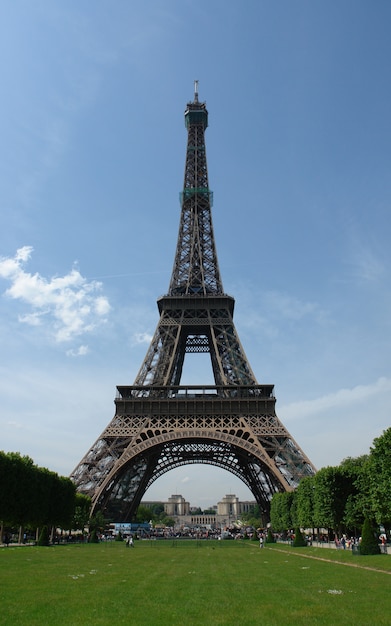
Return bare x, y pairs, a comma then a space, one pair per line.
338, 498
341, 498
32, 496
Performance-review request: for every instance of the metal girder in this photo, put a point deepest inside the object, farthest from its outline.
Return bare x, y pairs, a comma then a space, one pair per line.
205, 322
129, 486
158, 428
159, 424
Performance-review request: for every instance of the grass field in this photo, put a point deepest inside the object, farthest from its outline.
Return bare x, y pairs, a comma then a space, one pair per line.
190, 582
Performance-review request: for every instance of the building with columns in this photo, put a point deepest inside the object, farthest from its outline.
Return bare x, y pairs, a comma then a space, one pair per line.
176, 505
227, 511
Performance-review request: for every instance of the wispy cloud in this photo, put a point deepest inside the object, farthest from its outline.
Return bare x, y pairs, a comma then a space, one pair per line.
367, 266
267, 312
81, 351
14, 424
365, 256
70, 305
142, 338
290, 307
338, 400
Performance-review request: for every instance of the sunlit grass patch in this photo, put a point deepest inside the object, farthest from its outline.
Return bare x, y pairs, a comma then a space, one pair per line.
227, 583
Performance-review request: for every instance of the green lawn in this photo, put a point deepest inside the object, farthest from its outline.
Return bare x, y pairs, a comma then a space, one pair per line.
189, 582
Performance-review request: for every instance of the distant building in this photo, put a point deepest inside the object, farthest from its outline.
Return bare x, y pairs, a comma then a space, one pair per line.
229, 506
227, 511
176, 505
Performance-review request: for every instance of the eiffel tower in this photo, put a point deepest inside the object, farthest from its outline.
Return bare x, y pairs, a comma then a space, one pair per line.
160, 424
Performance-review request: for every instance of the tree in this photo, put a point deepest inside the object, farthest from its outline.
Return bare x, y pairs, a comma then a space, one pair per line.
358, 504
97, 522
305, 502
31, 495
281, 508
62, 501
197, 511
255, 522
44, 537
331, 490
299, 541
82, 511
369, 540
17, 479
253, 512
157, 509
143, 514
379, 472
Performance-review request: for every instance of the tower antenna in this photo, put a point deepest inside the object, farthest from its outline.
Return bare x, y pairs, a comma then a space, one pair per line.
196, 91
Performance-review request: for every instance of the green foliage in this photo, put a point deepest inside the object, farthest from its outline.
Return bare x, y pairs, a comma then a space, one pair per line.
144, 514
97, 522
305, 502
157, 509
253, 513
379, 472
293, 509
369, 540
155, 513
255, 522
270, 536
332, 487
299, 541
340, 498
357, 504
17, 478
61, 504
281, 511
93, 538
82, 511
43, 539
197, 511
31, 495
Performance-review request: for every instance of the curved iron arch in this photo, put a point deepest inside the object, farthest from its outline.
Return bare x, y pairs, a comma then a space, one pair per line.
122, 494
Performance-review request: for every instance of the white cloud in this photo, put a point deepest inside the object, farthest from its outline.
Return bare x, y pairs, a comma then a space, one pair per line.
69, 304
288, 306
81, 351
142, 338
367, 266
366, 257
14, 424
340, 399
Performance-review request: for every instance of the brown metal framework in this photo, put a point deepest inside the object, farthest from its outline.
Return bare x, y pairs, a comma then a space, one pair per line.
159, 424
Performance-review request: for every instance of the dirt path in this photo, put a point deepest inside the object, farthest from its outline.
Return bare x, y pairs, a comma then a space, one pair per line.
320, 558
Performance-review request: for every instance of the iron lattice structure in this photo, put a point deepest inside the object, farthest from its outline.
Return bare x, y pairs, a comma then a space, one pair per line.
160, 424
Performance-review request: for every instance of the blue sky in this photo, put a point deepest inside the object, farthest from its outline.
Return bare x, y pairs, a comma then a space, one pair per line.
92, 158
